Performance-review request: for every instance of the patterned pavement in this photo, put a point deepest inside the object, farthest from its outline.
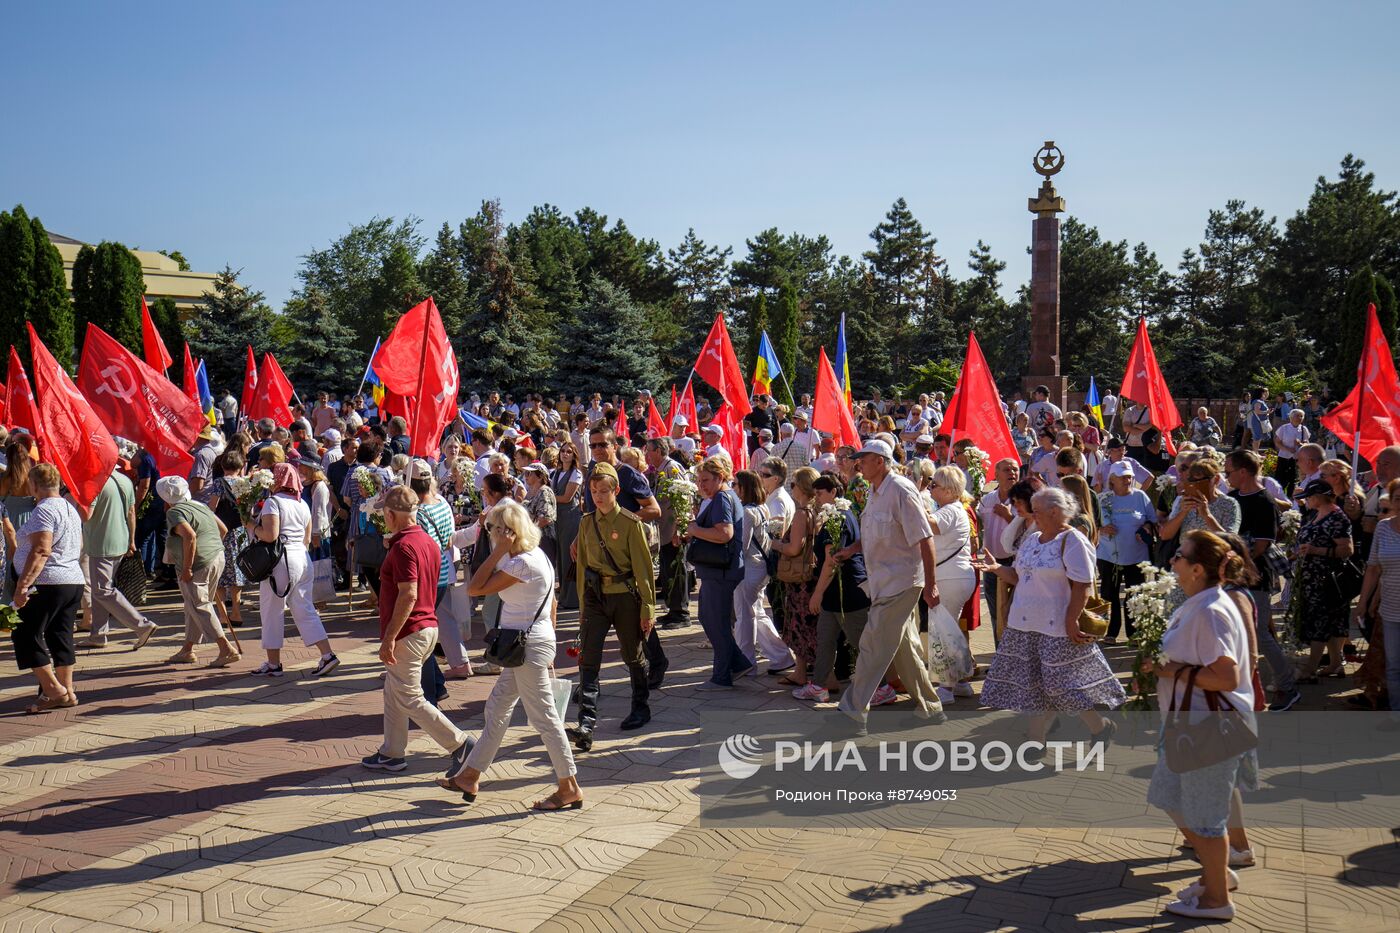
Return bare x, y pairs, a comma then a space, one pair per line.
180, 798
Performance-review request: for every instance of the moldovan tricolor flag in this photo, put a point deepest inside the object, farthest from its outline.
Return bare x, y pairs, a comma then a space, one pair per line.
830, 413
19, 398
416, 360
620, 426
1143, 383
157, 357
273, 394
767, 368
70, 433
1369, 418
975, 409
719, 367
656, 427
250, 384
134, 400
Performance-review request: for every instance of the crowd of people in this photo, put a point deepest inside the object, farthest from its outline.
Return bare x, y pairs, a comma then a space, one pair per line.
840, 568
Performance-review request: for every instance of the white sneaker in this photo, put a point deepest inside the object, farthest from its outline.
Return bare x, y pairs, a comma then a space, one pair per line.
1190, 907
1195, 889
1241, 858
945, 696
811, 691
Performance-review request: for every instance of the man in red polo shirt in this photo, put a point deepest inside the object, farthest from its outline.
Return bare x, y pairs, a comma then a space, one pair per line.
407, 635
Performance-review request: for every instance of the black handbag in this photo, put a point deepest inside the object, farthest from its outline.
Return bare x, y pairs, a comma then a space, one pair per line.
131, 579
1344, 584
506, 646
709, 554
258, 560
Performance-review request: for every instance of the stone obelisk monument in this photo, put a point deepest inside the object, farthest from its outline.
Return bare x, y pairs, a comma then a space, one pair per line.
1045, 278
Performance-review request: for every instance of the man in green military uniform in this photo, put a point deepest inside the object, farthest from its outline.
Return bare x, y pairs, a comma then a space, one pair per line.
616, 590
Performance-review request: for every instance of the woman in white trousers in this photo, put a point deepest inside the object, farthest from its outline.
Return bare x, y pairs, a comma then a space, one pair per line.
285, 516
753, 626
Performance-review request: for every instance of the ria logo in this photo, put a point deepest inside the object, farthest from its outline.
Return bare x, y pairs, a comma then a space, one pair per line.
740, 756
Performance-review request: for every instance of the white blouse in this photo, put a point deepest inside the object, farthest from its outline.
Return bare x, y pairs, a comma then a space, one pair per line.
1043, 580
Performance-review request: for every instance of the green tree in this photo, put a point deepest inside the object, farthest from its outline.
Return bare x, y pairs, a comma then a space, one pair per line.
17, 287
52, 310
496, 336
1003, 329
315, 349
908, 279
396, 289
596, 359
1347, 224
1095, 302
788, 325
349, 273
443, 276
700, 274
179, 258
231, 319
1365, 288
107, 290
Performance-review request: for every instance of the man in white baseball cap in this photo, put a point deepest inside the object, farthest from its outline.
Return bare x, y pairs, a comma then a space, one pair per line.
900, 567
714, 442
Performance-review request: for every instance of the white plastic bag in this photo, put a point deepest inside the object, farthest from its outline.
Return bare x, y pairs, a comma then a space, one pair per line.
563, 692
322, 581
949, 658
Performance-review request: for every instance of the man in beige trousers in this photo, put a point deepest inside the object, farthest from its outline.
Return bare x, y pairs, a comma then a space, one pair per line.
407, 636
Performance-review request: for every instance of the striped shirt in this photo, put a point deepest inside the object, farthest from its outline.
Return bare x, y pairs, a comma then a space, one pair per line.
436, 520
1385, 553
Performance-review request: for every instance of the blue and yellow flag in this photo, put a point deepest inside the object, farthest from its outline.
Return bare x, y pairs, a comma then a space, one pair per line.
376, 388
206, 398
1092, 400
843, 365
767, 368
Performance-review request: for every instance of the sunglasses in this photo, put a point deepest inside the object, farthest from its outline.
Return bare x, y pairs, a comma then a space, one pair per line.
1180, 556
599, 446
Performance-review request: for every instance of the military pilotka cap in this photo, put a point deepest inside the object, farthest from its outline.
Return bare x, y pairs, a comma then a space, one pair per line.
604, 469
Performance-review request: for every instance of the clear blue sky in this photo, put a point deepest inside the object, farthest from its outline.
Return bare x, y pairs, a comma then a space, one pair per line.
249, 133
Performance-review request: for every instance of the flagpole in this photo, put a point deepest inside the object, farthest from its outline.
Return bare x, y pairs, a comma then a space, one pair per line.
368, 367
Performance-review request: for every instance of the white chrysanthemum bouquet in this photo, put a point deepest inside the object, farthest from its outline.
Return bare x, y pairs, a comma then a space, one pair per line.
1146, 605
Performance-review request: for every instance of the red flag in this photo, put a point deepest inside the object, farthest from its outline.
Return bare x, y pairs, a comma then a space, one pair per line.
656, 427
273, 395
190, 384
719, 366
728, 417
157, 357
688, 409
2, 403
830, 412
134, 400
620, 426
1374, 404
671, 412
975, 409
250, 383
70, 432
417, 360
1144, 384
19, 398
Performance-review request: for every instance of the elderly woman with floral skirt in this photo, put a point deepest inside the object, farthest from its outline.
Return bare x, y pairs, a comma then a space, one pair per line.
1045, 664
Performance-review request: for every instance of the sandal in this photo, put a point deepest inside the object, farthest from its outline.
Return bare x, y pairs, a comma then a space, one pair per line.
792, 683
451, 784
554, 802
47, 703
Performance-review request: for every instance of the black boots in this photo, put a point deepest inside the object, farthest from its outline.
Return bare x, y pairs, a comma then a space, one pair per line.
641, 712
582, 736
656, 660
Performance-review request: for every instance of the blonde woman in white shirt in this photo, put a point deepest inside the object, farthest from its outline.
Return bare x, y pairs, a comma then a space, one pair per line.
953, 549
1045, 664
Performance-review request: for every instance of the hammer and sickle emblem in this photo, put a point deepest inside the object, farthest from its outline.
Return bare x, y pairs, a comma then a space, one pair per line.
113, 385
449, 378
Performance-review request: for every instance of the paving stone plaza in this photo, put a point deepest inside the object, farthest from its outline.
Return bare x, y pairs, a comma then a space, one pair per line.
179, 798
